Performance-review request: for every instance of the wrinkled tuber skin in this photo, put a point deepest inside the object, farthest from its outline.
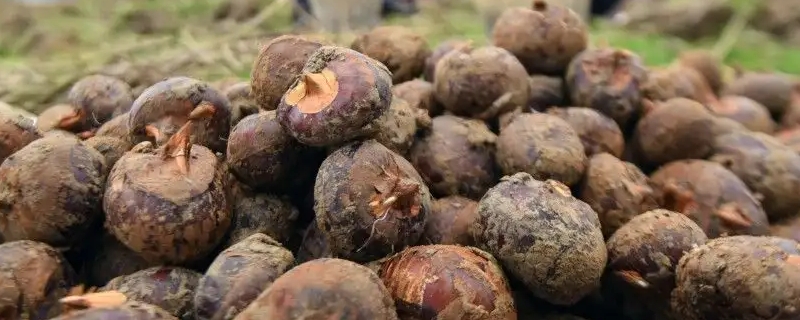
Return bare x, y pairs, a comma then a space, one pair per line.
608, 80
419, 95
171, 289
598, 132
715, 198
113, 259
33, 276
102, 97
165, 106
402, 50
480, 82
314, 245
644, 252
451, 220
456, 157
676, 81
128, 311
751, 114
369, 201
708, 65
437, 54
447, 282
678, 129
238, 276
544, 38
51, 191
340, 93
242, 102
788, 229
261, 154
543, 236
324, 288
261, 213
110, 147
396, 129
616, 190
162, 213
766, 166
742, 277
545, 92
772, 90
790, 138
542, 145
16, 132
277, 66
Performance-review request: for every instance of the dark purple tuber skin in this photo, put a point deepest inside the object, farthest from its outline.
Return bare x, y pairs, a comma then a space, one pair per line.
338, 94
542, 145
450, 222
16, 132
480, 82
773, 91
261, 213
616, 190
238, 276
544, 37
127, 311
768, 168
608, 80
242, 102
314, 245
751, 114
402, 50
169, 205
324, 288
598, 132
644, 252
543, 236
277, 66
171, 289
161, 110
419, 95
741, 277
101, 97
438, 53
787, 229
51, 191
112, 259
712, 196
33, 276
545, 92
261, 154
369, 202
447, 282
456, 157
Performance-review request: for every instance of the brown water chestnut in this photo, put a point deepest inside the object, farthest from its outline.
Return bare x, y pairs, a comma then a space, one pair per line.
451, 221
242, 102
126, 311
545, 92
771, 90
397, 128
708, 65
399, 48
419, 95
102, 97
171, 289
261, 213
438, 53
110, 147
16, 132
65, 117
338, 93
277, 66
751, 114
598, 132
677, 81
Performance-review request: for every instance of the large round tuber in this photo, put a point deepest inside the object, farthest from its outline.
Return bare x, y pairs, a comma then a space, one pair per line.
277, 66
543, 236
598, 132
238, 276
741, 277
102, 97
447, 282
616, 190
451, 221
324, 288
542, 145
480, 83
456, 157
161, 110
715, 198
169, 288
169, 205
51, 191
608, 80
338, 94
369, 202
402, 50
544, 38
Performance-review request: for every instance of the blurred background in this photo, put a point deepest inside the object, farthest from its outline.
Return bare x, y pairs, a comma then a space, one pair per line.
45, 45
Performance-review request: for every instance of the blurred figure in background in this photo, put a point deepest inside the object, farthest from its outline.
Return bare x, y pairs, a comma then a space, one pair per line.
348, 15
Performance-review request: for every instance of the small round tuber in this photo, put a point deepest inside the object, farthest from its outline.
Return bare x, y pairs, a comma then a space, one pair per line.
598, 133
279, 62
419, 95
16, 132
402, 50
438, 53
772, 90
751, 114
102, 97
451, 221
